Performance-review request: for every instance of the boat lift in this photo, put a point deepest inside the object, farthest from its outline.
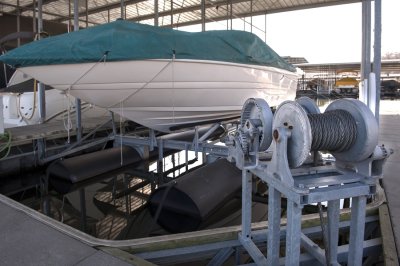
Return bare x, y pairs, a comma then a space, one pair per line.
348, 130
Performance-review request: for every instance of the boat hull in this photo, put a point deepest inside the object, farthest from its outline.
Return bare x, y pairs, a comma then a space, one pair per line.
169, 94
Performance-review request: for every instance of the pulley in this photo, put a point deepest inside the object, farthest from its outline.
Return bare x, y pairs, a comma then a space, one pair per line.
255, 122
347, 129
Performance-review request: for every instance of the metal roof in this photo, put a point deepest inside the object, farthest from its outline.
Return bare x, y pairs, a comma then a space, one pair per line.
183, 12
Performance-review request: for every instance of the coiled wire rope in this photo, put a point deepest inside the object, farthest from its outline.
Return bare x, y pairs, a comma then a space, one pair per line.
334, 131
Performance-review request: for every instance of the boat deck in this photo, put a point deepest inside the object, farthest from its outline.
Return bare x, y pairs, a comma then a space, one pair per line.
390, 137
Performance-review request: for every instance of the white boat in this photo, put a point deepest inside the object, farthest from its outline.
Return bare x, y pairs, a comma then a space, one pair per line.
170, 93
164, 95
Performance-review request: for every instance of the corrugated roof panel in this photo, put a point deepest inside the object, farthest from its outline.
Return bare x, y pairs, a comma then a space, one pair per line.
185, 11
100, 18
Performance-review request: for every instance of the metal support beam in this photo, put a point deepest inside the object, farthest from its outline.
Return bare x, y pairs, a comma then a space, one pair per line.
274, 223
18, 23
77, 101
333, 230
366, 47
87, 14
76, 15
231, 13
1, 115
156, 15
246, 203
122, 9
172, 13
357, 225
41, 88
293, 235
203, 15
377, 53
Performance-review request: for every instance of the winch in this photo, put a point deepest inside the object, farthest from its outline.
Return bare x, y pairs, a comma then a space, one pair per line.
348, 130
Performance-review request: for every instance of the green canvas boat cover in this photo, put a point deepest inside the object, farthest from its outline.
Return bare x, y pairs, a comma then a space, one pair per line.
123, 40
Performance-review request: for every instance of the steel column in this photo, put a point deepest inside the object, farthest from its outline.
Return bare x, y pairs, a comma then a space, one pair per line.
377, 53
77, 101
293, 235
122, 9
274, 222
357, 226
1, 115
333, 230
172, 14
246, 203
203, 15
366, 46
18, 23
41, 88
156, 13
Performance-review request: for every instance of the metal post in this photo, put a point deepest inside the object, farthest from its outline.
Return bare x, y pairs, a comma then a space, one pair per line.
122, 9
203, 15
333, 230
231, 13
251, 16
69, 16
77, 101
227, 15
155, 12
18, 23
172, 14
34, 16
366, 45
87, 13
377, 53
1, 115
246, 203
265, 28
41, 88
160, 165
357, 226
274, 219
293, 233
76, 15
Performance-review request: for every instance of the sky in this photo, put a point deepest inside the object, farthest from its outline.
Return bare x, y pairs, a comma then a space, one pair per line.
321, 35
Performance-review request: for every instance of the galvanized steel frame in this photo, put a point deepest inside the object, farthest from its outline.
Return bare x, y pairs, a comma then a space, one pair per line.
317, 185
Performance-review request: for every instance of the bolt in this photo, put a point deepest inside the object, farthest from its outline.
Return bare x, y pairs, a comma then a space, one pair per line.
285, 124
276, 134
290, 127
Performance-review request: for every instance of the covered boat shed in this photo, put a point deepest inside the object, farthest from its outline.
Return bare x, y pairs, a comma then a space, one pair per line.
174, 13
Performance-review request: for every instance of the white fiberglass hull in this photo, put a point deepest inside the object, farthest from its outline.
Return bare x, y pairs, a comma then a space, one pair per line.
168, 94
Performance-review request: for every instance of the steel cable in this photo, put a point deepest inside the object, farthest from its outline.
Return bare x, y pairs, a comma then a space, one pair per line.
334, 131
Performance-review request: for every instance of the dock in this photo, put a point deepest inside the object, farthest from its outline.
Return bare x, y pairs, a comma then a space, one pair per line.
29, 238
390, 137
30, 241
